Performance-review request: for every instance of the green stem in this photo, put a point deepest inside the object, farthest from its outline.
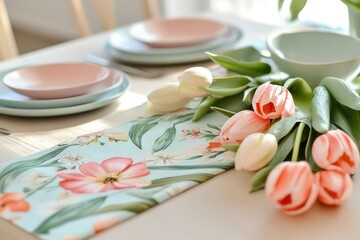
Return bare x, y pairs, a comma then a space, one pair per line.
296, 148
40, 187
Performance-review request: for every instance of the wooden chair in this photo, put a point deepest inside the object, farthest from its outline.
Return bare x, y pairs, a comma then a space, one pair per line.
106, 14
8, 48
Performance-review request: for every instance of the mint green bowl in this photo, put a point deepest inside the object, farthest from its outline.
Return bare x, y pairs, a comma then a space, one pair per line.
313, 55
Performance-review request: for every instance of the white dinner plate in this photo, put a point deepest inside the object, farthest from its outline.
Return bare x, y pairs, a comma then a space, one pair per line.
121, 40
102, 101
184, 57
56, 80
10, 98
176, 32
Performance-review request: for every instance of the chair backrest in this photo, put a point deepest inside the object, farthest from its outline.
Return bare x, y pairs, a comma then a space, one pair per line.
106, 14
8, 48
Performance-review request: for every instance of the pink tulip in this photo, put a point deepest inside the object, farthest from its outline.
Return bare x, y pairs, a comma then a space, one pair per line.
336, 148
335, 186
273, 101
242, 124
292, 187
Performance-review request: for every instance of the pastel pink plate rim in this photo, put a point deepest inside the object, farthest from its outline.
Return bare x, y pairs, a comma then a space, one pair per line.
56, 80
177, 32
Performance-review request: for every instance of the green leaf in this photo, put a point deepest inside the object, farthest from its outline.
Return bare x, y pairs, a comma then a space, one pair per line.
283, 126
233, 81
280, 4
342, 92
346, 119
248, 95
295, 8
13, 170
320, 110
138, 130
355, 84
301, 93
308, 150
199, 178
244, 54
164, 140
352, 3
284, 148
224, 92
233, 103
278, 78
257, 182
223, 111
70, 213
252, 69
204, 107
228, 86
231, 147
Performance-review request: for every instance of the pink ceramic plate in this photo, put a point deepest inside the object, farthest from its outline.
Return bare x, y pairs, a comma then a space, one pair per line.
176, 32
59, 80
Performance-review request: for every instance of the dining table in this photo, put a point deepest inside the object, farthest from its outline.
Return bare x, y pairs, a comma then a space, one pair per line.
220, 208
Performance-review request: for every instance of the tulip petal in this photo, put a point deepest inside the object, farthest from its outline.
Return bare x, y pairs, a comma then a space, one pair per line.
255, 151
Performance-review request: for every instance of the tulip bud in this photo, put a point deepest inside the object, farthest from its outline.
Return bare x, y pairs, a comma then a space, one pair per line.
292, 187
167, 98
194, 80
273, 101
255, 151
241, 125
336, 148
335, 186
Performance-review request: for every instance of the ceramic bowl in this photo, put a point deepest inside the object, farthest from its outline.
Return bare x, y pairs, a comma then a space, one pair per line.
58, 80
313, 55
177, 32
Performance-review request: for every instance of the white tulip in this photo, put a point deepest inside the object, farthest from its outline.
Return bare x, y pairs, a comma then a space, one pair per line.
194, 80
167, 98
255, 151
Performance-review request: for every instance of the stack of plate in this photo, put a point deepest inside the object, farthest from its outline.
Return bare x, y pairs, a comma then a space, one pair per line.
171, 41
59, 89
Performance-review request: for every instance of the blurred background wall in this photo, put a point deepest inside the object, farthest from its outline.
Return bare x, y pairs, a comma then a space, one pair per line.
39, 23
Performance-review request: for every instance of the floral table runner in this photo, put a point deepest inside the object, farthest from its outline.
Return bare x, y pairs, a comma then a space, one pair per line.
79, 188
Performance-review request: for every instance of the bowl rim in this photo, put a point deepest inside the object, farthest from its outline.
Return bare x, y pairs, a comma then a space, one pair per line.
270, 45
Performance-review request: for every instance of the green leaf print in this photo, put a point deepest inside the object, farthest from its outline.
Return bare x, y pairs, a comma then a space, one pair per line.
70, 213
10, 172
136, 207
165, 139
137, 131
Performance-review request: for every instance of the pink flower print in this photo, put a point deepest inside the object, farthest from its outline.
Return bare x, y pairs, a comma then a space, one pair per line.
103, 224
13, 202
112, 174
185, 132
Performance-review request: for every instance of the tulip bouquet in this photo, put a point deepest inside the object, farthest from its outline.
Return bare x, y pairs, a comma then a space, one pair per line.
300, 143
